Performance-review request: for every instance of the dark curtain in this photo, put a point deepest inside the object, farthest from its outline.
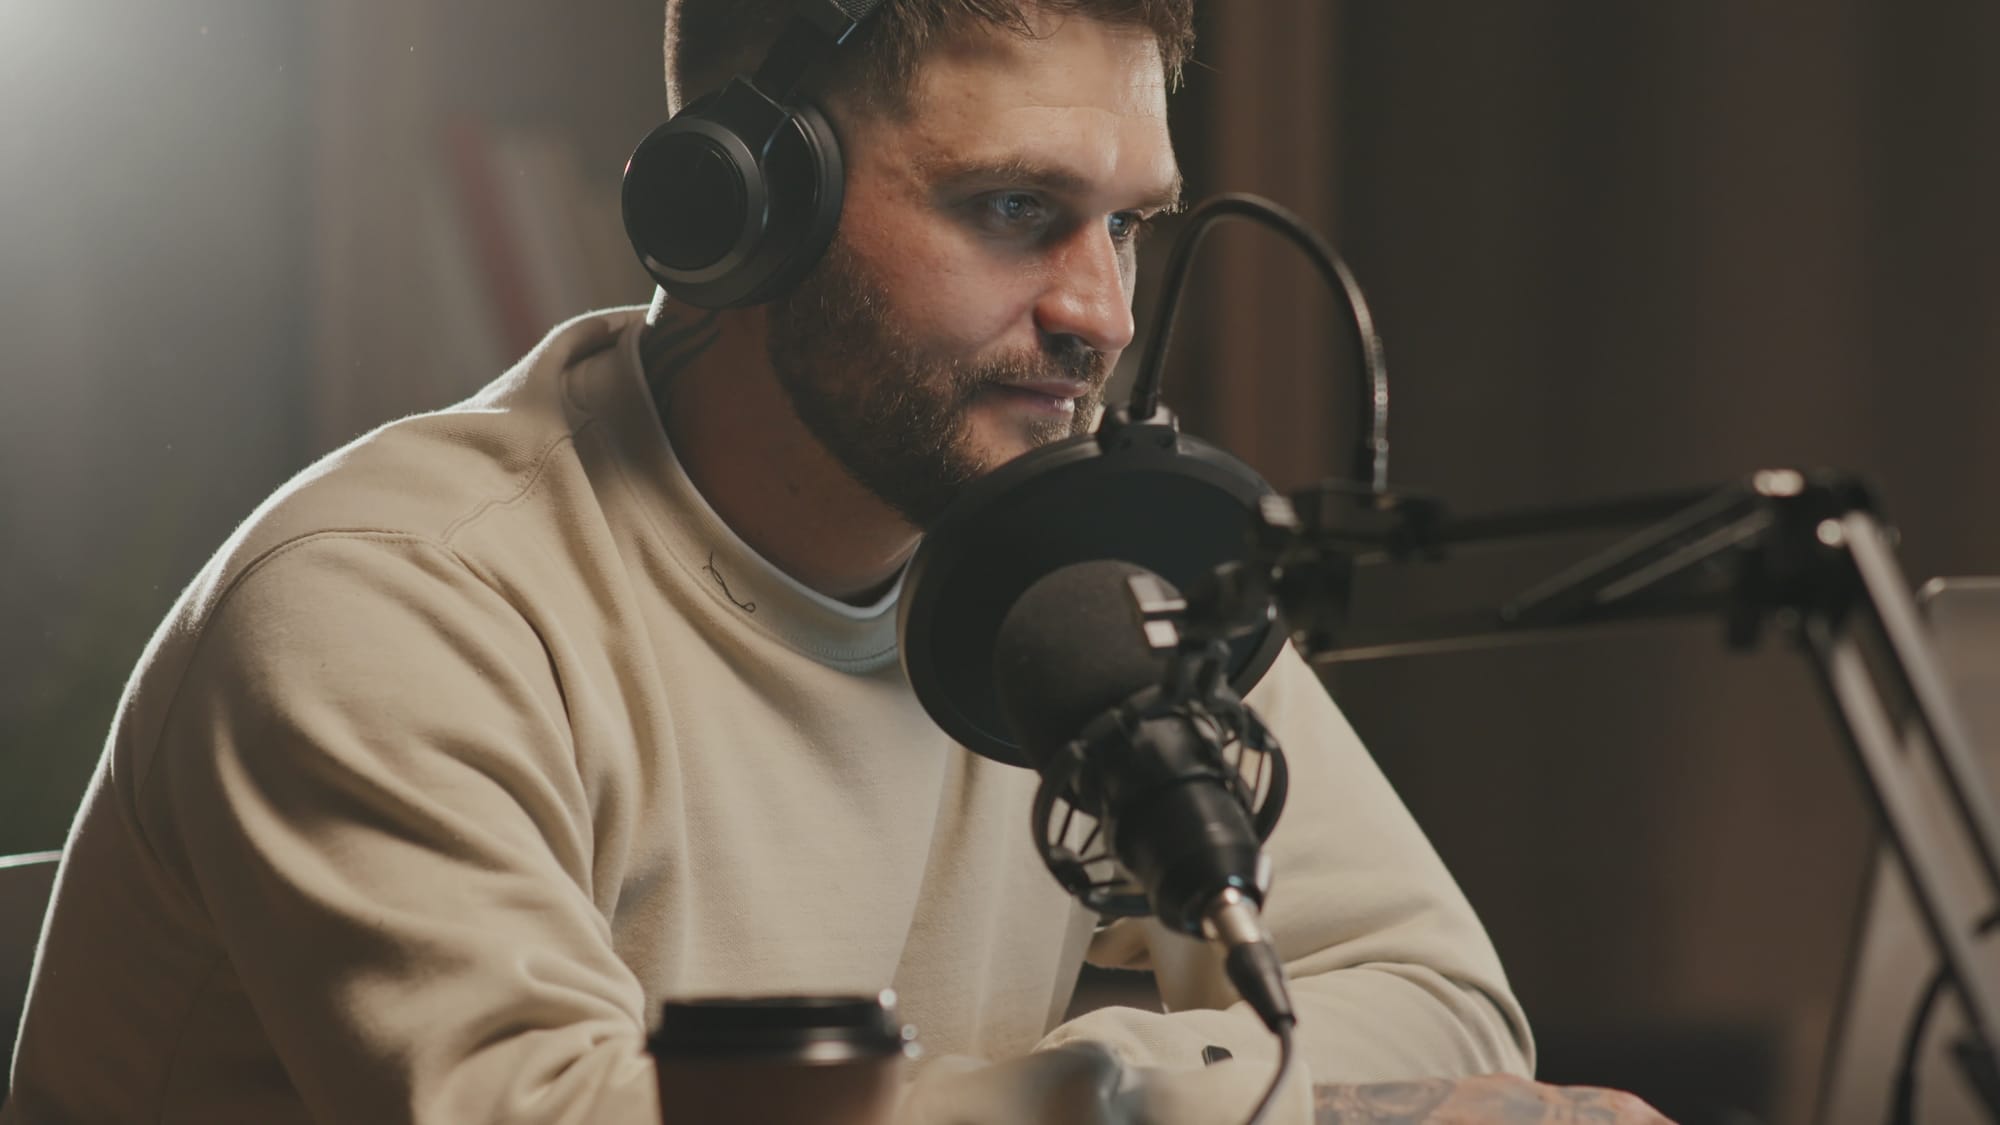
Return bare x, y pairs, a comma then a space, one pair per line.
1615, 248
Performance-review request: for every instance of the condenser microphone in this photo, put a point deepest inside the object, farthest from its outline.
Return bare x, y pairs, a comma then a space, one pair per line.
1087, 699
1139, 490
1143, 492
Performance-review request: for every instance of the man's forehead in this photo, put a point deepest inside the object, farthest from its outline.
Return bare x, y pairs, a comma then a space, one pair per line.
1066, 59
1079, 107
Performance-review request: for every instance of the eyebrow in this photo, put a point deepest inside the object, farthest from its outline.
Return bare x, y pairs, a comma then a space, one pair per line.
947, 172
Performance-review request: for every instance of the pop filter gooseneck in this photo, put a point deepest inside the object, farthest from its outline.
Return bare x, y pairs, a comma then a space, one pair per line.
1371, 462
1138, 491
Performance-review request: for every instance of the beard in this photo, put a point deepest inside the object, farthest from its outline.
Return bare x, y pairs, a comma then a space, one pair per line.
896, 411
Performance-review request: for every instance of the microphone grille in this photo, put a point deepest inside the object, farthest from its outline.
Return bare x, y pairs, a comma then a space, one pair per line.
1072, 647
857, 10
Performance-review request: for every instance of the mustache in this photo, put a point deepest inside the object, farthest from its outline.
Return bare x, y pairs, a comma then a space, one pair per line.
1076, 363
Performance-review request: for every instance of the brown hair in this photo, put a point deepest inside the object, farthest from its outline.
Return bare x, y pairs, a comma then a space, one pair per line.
709, 41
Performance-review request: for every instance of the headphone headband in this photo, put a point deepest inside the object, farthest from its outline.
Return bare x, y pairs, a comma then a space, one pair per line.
815, 31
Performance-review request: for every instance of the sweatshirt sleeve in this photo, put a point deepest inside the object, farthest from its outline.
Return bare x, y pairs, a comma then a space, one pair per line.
366, 780
1392, 974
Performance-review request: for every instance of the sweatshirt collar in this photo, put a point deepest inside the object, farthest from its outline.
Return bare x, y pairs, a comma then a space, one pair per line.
740, 584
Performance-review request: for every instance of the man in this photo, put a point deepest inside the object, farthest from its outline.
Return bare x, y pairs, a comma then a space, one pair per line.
504, 724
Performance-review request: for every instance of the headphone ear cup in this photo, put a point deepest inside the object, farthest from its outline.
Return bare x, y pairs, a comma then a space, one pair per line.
694, 201
807, 180
718, 227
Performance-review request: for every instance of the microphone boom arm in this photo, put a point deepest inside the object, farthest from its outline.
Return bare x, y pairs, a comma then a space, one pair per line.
1806, 552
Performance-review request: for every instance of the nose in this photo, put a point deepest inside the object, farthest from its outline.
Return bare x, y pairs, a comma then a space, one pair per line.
1089, 294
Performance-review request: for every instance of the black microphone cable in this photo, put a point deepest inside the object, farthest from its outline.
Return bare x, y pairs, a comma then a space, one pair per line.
1277, 1082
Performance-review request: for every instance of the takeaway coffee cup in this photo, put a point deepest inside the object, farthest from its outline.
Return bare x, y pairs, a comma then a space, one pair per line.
814, 1060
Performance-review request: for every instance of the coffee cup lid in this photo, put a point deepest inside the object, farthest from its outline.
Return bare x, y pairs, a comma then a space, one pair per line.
809, 1029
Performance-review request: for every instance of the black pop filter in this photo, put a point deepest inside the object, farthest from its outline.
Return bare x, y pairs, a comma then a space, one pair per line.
1141, 492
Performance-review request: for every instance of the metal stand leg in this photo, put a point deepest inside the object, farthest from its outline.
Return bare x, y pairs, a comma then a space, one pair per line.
1889, 761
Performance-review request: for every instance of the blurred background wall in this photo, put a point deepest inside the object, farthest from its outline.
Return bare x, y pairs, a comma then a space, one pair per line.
1613, 246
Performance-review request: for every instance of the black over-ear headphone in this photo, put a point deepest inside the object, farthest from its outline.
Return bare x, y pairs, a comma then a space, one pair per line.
733, 200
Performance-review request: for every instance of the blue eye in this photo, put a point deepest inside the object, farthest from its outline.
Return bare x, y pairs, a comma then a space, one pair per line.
1013, 208
1126, 226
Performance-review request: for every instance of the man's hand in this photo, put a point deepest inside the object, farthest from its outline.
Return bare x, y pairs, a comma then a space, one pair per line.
1492, 1099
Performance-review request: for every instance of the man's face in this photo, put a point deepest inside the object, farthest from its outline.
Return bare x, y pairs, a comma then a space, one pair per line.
980, 288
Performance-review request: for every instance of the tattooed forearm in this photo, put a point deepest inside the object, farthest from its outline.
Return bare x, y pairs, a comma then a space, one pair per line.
1384, 1103
1498, 1099
1594, 1107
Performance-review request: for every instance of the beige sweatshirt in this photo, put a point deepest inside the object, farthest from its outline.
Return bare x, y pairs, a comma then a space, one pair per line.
485, 735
